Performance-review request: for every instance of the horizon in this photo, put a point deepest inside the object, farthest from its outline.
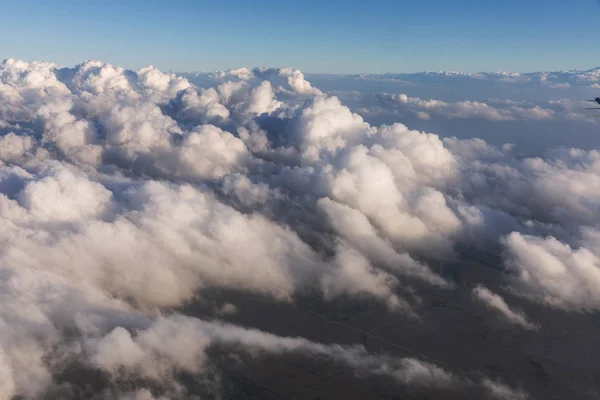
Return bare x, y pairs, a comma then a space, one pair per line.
578, 69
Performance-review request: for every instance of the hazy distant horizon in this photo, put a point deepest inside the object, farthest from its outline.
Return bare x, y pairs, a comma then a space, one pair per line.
308, 72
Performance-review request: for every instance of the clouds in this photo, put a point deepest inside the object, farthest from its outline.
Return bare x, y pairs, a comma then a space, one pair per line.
103, 208
155, 353
354, 275
498, 108
208, 152
553, 80
13, 147
25, 86
126, 194
181, 344
502, 392
495, 111
496, 302
557, 189
326, 125
286, 81
554, 272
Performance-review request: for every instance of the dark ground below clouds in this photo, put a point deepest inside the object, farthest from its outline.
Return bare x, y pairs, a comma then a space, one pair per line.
558, 362
454, 331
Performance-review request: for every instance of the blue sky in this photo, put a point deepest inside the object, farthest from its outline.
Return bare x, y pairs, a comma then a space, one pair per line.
331, 36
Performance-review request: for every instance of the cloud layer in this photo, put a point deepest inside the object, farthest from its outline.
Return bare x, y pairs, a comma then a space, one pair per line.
125, 194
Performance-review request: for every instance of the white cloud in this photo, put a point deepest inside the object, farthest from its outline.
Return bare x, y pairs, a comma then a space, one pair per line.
287, 80
207, 152
179, 343
533, 113
560, 188
354, 275
496, 302
502, 392
14, 147
124, 194
564, 85
555, 273
240, 73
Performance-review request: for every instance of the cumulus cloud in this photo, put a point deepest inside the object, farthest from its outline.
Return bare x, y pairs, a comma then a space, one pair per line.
496, 302
13, 147
558, 189
556, 273
125, 194
354, 275
286, 81
113, 200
